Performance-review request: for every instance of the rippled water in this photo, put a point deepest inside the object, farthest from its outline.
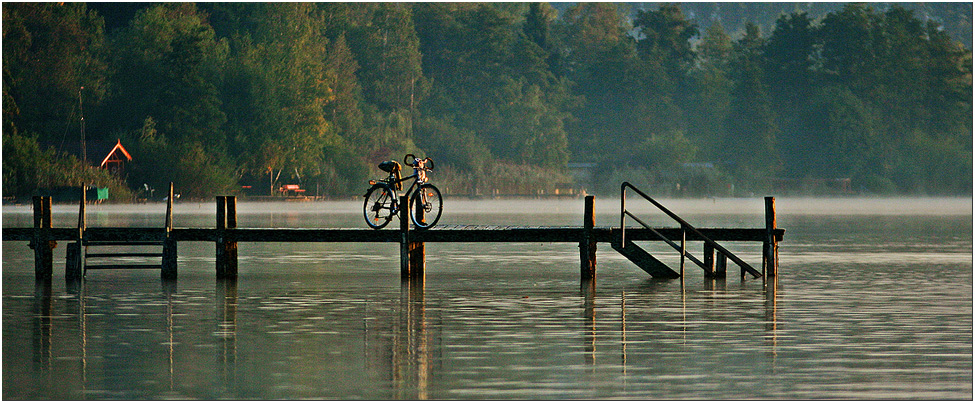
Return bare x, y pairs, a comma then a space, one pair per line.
873, 301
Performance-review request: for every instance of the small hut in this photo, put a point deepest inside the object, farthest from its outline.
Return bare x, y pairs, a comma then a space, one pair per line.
116, 158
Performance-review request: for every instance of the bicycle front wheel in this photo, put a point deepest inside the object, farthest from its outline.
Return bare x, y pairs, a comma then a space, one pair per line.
380, 206
426, 205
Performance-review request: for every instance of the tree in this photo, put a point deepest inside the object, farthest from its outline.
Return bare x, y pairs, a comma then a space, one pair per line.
665, 35
494, 81
388, 54
285, 78
751, 142
50, 52
343, 109
710, 96
789, 53
589, 30
167, 65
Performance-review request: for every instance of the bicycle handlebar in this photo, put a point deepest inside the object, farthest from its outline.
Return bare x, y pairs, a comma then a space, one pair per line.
413, 161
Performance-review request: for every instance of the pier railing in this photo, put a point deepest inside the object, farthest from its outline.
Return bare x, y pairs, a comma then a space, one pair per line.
709, 245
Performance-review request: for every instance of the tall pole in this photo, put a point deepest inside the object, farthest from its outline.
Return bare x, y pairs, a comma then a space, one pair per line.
84, 143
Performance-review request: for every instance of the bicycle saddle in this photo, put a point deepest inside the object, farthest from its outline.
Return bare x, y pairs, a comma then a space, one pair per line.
389, 166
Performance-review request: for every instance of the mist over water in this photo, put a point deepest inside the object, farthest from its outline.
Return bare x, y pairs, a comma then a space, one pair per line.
873, 301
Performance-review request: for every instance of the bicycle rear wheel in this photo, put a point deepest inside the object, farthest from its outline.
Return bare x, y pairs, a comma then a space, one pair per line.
426, 205
380, 206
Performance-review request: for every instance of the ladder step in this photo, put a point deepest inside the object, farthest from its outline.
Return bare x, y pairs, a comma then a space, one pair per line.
133, 254
645, 261
123, 243
121, 266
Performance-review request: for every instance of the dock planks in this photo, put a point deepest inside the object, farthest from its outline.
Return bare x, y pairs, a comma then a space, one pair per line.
466, 233
43, 238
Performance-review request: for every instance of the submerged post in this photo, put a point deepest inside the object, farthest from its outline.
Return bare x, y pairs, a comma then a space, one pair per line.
169, 244
770, 246
587, 246
43, 247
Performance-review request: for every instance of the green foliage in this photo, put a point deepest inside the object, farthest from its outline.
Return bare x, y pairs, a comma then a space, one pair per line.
502, 96
28, 168
50, 52
190, 165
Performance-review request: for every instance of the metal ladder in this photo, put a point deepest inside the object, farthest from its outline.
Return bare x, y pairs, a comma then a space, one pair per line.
655, 267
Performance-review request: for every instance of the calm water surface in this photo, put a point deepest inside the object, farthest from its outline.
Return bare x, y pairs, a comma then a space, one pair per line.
873, 301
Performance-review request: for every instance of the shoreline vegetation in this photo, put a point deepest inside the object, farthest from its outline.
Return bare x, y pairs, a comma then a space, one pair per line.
529, 99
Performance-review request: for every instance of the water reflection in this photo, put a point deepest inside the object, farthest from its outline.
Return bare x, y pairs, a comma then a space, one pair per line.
411, 344
43, 329
226, 332
461, 339
588, 291
625, 337
169, 290
771, 316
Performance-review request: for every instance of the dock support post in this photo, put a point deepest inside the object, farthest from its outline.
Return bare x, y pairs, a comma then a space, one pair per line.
226, 250
587, 247
43, 247
412, 254
74, 256
770, 247
708, 260
721, 265
231, 246
683, 249
404, 244
169, 267
417, 249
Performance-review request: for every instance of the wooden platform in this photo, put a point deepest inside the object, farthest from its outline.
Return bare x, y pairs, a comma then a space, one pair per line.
469, 233
225, 235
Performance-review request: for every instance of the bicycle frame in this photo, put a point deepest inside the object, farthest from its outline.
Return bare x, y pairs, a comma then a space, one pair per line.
392, 192
393, 182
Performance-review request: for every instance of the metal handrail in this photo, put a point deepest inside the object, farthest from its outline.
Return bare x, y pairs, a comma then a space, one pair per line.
685, 227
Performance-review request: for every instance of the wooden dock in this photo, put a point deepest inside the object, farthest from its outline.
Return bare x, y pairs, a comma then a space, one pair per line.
225, 235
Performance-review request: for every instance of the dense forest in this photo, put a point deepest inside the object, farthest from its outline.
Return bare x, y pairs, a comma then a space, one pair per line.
509, 98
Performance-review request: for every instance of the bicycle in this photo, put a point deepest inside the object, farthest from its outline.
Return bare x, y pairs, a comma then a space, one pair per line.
425, 203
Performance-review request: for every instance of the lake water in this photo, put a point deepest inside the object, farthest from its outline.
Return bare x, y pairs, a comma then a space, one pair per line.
873, 301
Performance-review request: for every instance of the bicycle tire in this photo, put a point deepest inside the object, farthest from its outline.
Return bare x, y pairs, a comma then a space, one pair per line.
379, 207
430, 203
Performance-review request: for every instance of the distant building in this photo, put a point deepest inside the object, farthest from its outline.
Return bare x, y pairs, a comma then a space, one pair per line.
116, 158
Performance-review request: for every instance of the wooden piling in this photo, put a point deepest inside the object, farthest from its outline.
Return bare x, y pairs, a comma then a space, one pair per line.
720, 265
220, 251
74, 261
41, 243
169, 209
169, 266
683, 249
587, 246
231, 246
417, 249
82, 213
404, 244
770, 246
708, 260
226, 250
